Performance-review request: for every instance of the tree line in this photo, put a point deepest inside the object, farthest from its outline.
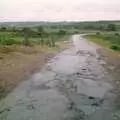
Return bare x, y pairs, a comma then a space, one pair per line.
28, 33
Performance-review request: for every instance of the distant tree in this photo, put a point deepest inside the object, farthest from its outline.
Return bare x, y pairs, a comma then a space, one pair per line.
14, 29
62, 32
52, 41
111, 27
26, 34
3, 28
116, 34
77, 27
101, 27
41, 34
97, 33
89, 27
40, 31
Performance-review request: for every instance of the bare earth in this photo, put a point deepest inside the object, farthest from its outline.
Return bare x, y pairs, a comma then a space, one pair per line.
17, 63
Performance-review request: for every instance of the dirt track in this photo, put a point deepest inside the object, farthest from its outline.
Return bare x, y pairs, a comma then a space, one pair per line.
74, 85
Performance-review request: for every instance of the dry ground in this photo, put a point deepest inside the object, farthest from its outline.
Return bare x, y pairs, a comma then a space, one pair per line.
17, 63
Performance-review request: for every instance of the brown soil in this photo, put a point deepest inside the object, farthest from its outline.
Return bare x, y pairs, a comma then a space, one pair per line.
17, 63
112, 65
112, 60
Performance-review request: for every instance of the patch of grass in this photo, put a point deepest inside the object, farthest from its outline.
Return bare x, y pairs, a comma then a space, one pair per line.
9, 41
111, 41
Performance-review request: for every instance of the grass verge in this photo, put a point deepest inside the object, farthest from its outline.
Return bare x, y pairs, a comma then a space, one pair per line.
111, 41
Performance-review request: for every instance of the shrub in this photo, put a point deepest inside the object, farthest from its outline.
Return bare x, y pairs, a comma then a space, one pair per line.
97, 33
117, 34
62, 32
76, 32
8, 41
115, 47
47, 42
42, 41
52, 42
112, 27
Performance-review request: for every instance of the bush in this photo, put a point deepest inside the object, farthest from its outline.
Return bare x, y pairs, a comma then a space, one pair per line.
97, 33
116, 34
62, 32
115, 47
8, 41
76, 32
112, 27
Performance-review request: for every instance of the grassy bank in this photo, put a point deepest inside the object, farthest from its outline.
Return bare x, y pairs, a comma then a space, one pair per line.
111, 41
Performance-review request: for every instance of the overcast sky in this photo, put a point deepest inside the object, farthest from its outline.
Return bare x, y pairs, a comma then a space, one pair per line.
54, 10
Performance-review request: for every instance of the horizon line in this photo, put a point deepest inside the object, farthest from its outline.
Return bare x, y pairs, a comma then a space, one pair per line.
58, 21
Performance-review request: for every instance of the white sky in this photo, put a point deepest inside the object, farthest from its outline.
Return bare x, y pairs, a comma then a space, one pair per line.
54, 10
